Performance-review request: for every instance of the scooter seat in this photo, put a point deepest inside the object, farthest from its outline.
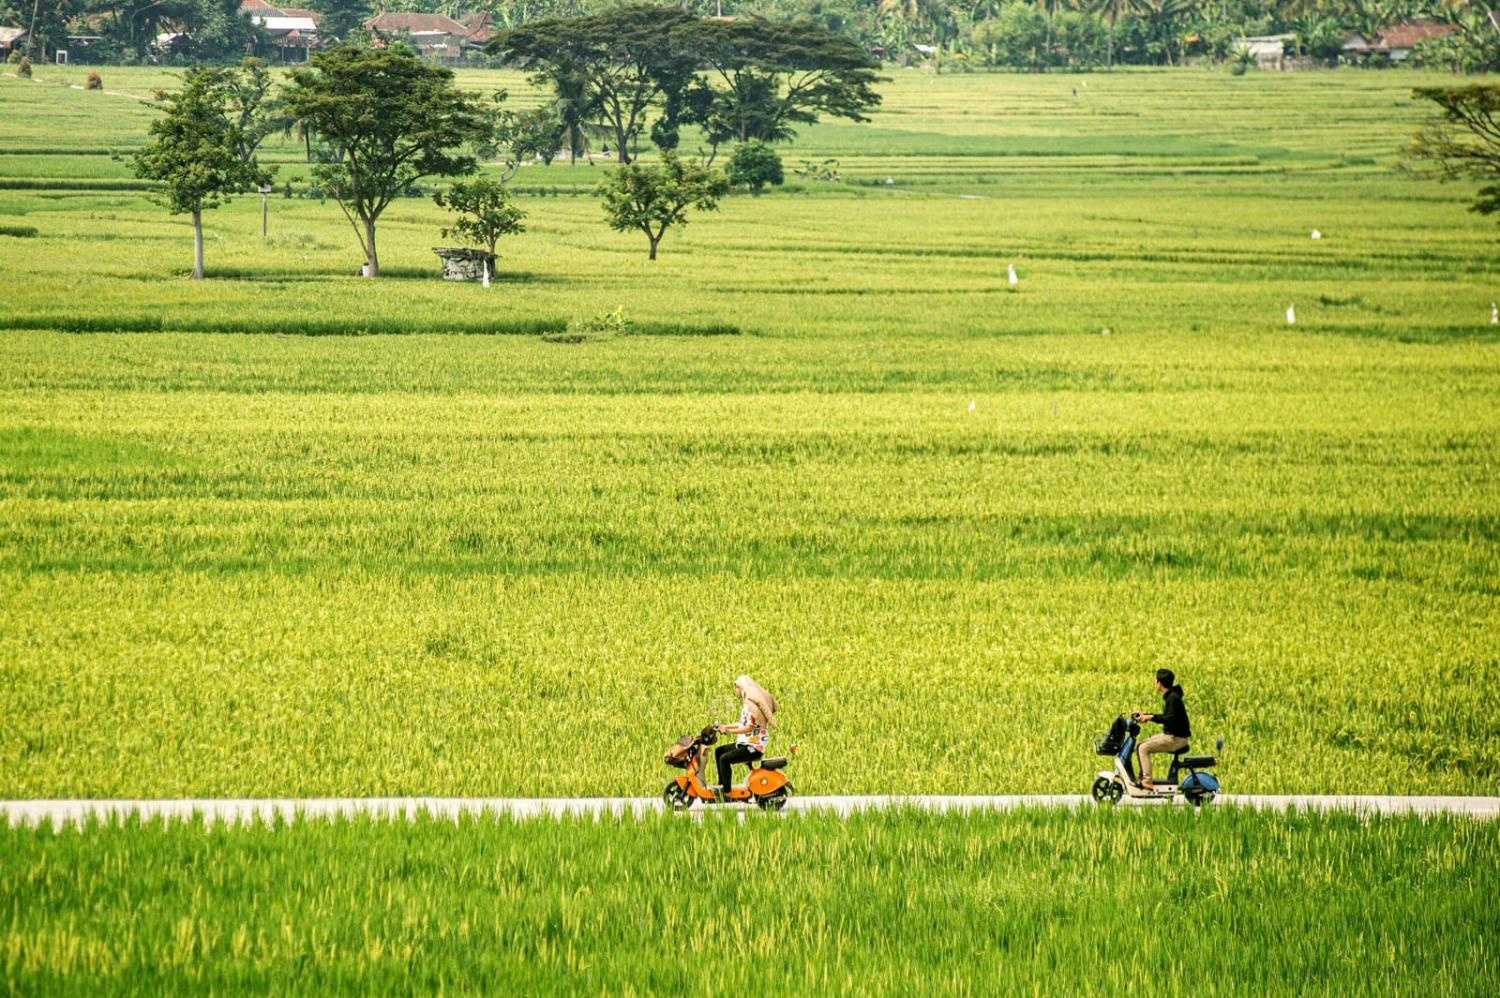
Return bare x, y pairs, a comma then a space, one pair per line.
775, 763
1196, 761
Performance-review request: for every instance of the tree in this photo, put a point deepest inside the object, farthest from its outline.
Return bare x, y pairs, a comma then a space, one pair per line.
1463, 140
486, 212
623, 58
340, 18
655, 198
539, 133
392, 121
194, 153
257, 113
767, 76
755, 165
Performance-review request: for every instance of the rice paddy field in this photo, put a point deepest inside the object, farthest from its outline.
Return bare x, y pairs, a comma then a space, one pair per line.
287, 532
1095, 902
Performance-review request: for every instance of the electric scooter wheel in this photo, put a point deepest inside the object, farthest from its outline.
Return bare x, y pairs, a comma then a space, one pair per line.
777, 800
676, 798
1198, 800
1107, 791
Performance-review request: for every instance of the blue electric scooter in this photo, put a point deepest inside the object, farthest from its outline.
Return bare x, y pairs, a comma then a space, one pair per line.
1196, 786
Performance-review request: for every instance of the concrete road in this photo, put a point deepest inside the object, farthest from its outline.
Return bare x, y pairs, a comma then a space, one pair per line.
234, 810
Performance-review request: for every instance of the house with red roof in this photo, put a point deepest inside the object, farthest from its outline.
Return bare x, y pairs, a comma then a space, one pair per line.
1397, 43
289, 28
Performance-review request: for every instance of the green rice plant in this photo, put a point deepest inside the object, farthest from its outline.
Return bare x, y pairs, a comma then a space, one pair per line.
955, 529
1225, 902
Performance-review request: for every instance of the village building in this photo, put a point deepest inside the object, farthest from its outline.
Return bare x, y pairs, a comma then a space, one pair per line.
1397, 43
291, 30
12, 39
434, 36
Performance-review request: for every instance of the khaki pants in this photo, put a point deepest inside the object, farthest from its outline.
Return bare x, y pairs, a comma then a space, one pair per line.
1160, 745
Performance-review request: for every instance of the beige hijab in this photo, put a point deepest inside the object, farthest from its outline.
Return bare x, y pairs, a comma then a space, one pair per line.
762, 703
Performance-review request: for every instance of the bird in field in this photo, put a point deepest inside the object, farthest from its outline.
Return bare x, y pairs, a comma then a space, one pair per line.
1291, 315
1316, 234
1494, 314
1010, 275
971, 405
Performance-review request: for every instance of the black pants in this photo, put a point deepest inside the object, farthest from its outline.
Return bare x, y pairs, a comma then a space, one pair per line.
727, 756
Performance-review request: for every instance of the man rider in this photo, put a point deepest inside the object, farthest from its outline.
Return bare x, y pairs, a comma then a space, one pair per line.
1174, 725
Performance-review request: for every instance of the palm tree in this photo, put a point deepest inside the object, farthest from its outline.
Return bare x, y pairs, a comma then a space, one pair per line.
1160, 15
1111, 10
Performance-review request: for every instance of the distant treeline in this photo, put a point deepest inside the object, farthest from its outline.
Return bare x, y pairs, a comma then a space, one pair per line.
1079, 34
1027, 35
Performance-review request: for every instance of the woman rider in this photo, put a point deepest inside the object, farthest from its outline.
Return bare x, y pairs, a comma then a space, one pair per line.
757, 718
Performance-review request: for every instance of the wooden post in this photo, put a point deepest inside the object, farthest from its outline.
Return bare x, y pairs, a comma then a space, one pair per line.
265, 204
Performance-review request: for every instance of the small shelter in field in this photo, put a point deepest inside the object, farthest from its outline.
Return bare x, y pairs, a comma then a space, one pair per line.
1268, 51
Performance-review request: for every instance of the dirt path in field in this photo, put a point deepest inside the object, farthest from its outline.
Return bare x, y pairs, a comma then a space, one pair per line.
239, 811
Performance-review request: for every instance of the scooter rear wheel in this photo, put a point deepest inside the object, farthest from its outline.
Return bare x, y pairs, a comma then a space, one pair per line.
1107, 791
777, 800
676, 798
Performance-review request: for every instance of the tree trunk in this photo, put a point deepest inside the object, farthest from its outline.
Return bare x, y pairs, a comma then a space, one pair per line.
654, 241
197, 274
372, 262
1109, 50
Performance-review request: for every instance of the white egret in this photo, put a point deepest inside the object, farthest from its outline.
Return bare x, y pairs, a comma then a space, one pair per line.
1291, 315
1010, 269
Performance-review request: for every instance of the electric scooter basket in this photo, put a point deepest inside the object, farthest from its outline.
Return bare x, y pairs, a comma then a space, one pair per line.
1110, 743
677, 755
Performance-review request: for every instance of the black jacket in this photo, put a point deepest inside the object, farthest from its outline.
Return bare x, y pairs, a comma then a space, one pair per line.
1173, 717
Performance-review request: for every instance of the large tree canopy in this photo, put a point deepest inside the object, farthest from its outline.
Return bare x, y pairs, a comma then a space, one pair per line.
1463, 141
764, 77
623, 60
392, 120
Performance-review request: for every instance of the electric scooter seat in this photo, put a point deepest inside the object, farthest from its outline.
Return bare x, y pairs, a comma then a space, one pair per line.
1196, 761
775, 763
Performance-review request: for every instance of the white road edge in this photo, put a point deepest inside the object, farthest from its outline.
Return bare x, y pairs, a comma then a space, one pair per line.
235, 811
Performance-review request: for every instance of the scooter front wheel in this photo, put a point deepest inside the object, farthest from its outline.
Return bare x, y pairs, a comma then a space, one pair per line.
676, 798
1107, 791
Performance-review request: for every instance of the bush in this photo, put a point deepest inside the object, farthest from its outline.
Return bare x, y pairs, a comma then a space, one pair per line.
754, 165
18, 231
93, 82
15, 57
25, 69
602, 326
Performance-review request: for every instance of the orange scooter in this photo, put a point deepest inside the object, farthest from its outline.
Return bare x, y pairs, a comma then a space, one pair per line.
767, 786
